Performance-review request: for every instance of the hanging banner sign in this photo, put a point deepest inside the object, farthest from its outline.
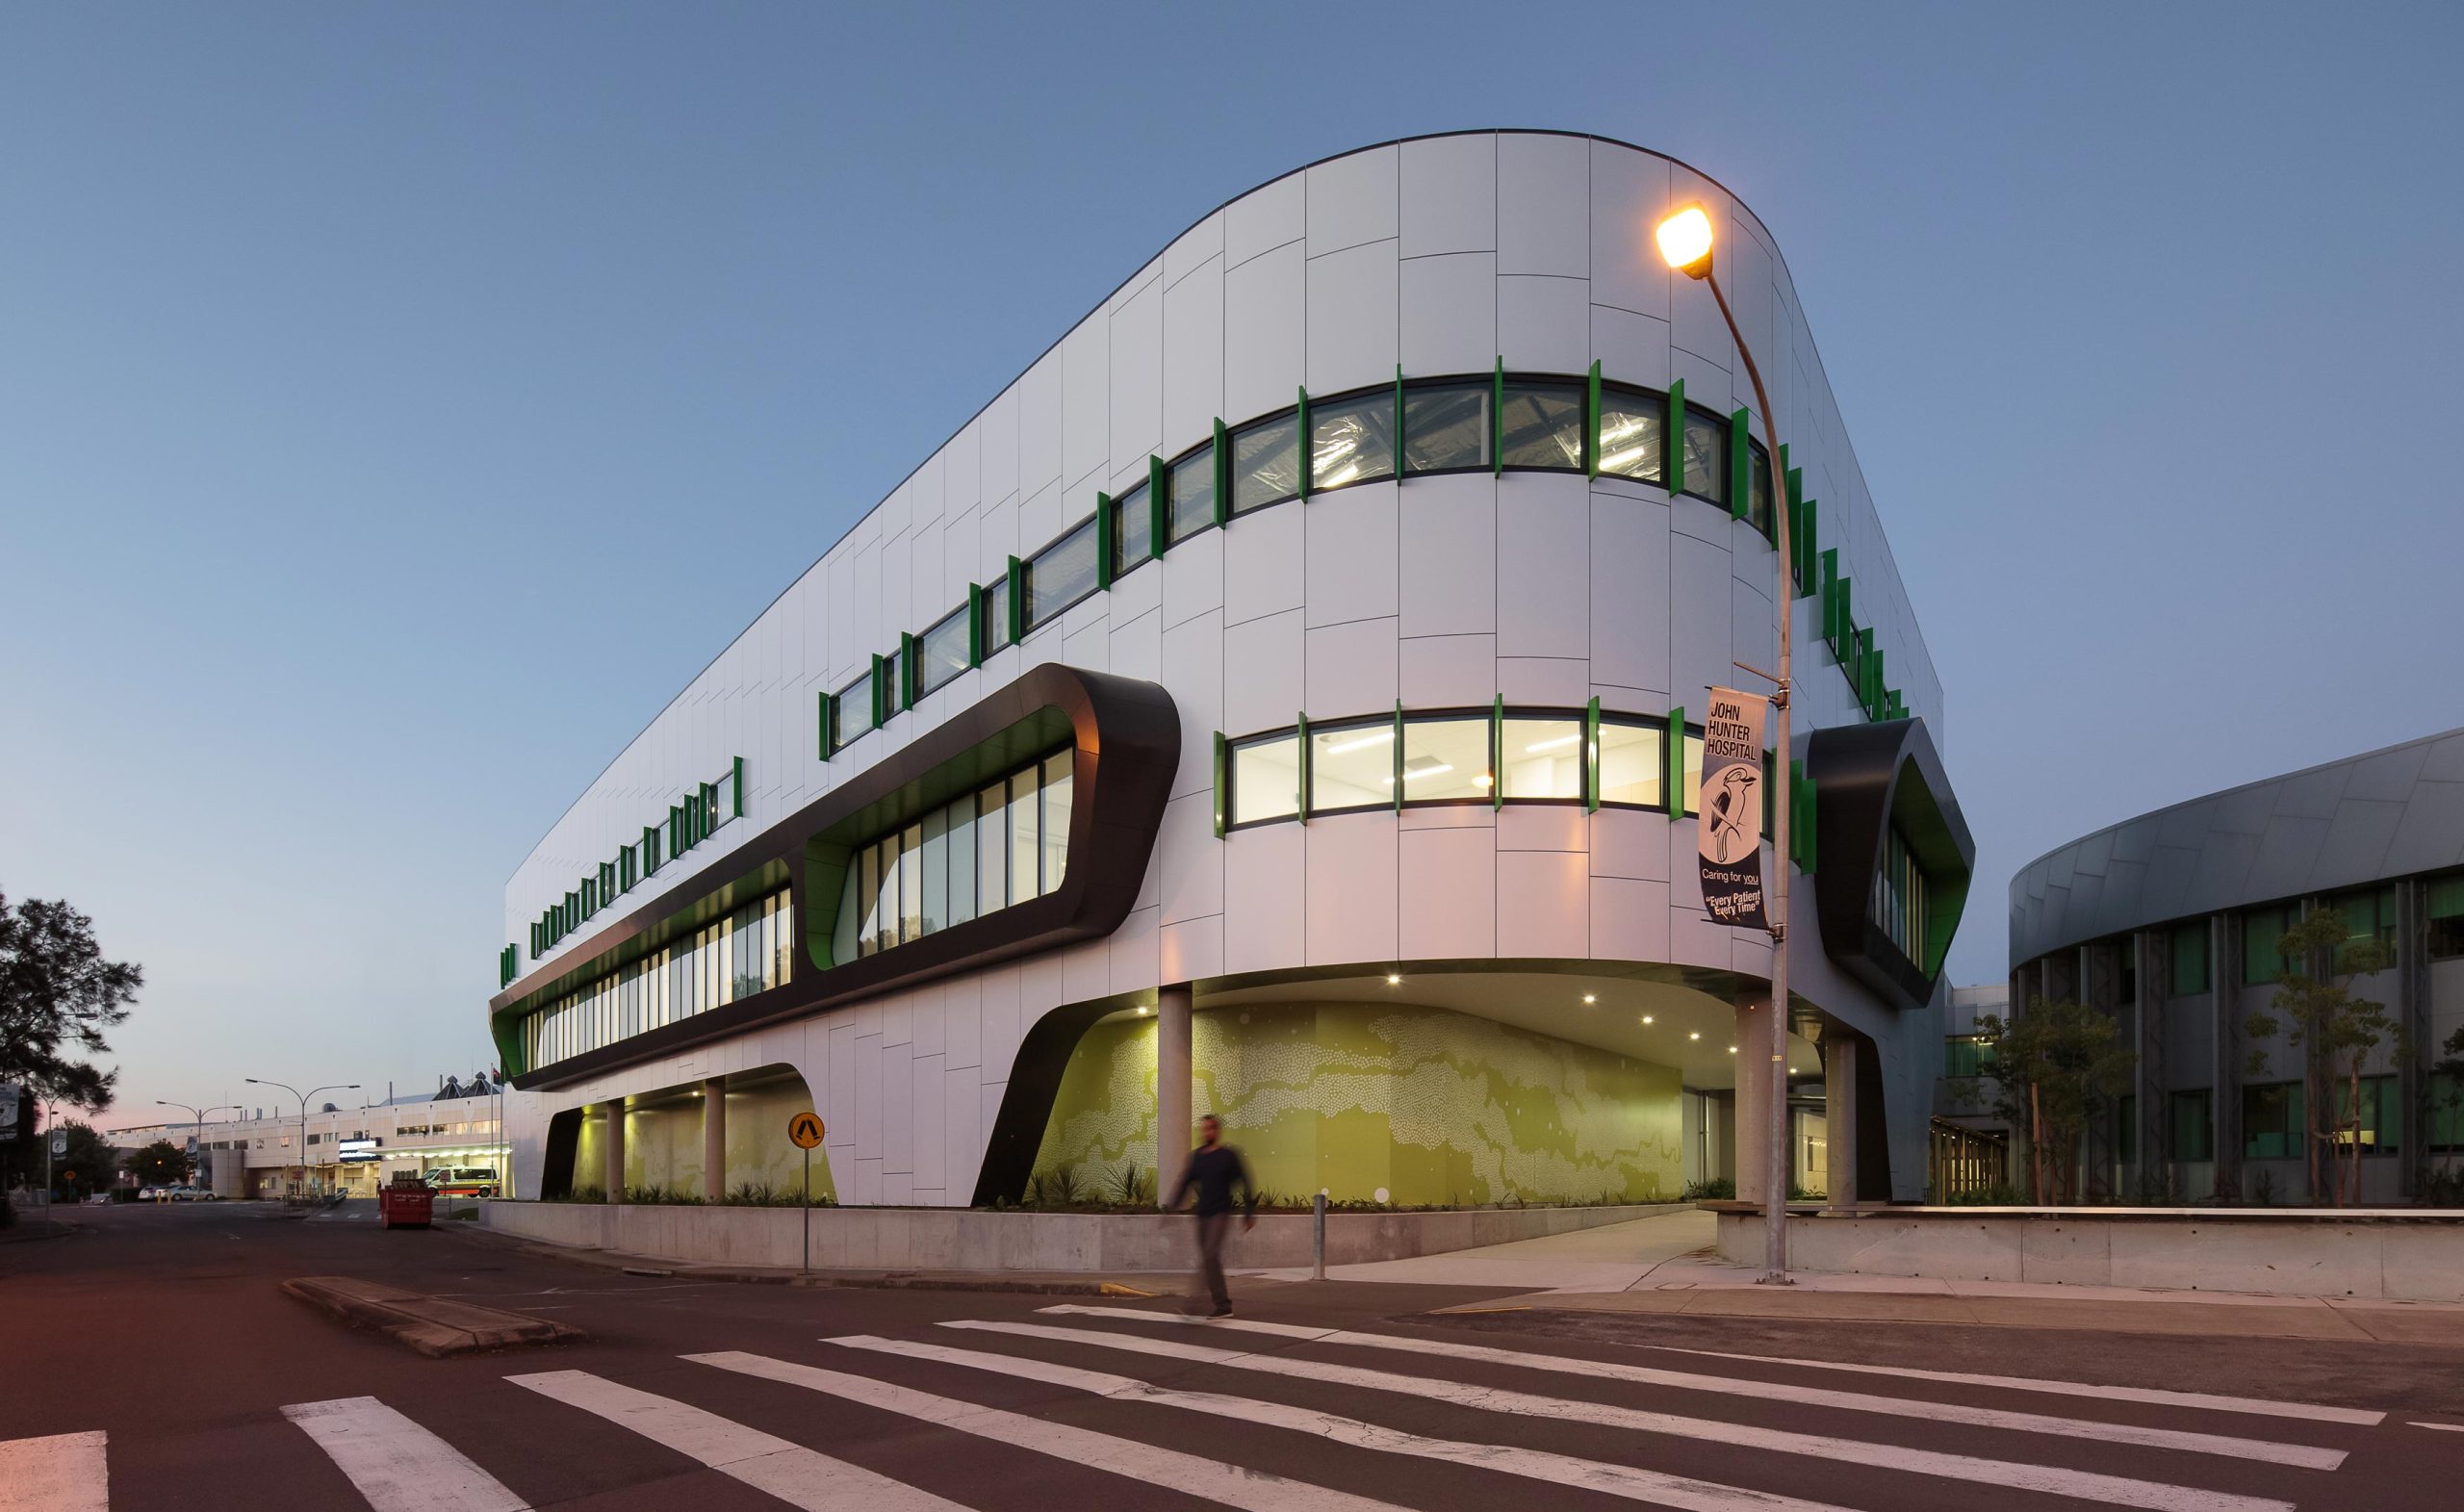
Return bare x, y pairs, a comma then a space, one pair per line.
1729, 839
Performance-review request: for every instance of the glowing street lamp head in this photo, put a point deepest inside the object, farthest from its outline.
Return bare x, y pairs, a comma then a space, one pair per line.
1685, 242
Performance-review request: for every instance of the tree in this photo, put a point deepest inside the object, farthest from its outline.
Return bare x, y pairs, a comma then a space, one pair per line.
161, 1163
2053, 1068
86, 1168
2335, 1031
57, 997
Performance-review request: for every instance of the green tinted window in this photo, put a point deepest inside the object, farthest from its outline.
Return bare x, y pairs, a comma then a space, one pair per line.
2190, 949
2262, 930
2192, 1119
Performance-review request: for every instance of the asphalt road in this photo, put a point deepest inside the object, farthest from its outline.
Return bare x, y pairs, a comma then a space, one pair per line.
151, 1362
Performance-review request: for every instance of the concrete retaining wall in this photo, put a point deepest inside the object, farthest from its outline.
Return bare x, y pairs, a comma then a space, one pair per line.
2395, 1256
962, 1239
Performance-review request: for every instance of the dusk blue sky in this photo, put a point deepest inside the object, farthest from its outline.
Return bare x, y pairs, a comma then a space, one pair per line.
398, 404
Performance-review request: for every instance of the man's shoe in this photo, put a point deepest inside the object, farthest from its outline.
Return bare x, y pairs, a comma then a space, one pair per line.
1225, 1311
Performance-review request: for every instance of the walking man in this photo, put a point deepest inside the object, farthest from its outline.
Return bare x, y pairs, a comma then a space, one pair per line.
1213, 1169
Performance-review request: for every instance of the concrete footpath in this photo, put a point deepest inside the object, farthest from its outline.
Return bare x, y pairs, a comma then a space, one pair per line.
1668, 1265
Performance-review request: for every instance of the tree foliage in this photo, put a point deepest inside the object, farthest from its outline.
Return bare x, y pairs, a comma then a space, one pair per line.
58, 996
2053, 1068
88, 1167
2335, 1031
161, 1163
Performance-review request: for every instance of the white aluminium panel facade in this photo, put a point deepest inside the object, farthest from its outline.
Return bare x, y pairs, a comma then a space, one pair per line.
1433, 256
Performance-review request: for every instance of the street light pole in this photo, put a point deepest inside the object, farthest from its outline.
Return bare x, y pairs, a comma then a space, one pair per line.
197, 1114
331, 1087
1685, 243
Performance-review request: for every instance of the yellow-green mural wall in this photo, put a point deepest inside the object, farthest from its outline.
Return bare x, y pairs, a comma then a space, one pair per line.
1409, 1106
664, 1143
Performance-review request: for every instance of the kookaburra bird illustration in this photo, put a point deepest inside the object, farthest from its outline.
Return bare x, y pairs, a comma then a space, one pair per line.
1727, 813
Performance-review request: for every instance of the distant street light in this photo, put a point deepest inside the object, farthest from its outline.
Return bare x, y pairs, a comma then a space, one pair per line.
331, 1087
197, 1114
1685, 244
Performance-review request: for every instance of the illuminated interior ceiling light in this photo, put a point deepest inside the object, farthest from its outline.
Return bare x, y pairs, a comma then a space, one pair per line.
1484, 780
1591, 997
1551, 745
1691, 1035
1647, 1018
1376, 738
1731, 1049
1423, 766
1394, 979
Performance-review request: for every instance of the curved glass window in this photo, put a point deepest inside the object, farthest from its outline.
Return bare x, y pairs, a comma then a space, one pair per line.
940, 653
1706, 456
1757, 509
1193, 502
1060, 574
1351, 441
1059, 786
1445, 758
996, 614
1433, 425
1266, 778
1634, 762
1631, 427
850, 711
1542, 425
1543, 756
1133, 529
1265, 464
1000, 845
735, 956
1351, 766
1446, 427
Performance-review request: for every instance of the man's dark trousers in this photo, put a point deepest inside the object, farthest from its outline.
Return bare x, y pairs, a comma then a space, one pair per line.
1211, 1229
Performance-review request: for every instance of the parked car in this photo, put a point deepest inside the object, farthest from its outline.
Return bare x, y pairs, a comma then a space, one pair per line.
153, 1194
191, 1194
462, 1181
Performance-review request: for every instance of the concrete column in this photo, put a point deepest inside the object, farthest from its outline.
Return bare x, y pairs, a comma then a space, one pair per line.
2225, 981
1840, 1115
2413, 1030
714, 1139
612, 1179
1752, 1037
2154, 1083
1174, 1116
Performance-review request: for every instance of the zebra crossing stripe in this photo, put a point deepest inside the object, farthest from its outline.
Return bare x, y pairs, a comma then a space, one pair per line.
2302, 1456
793, 1474
2256, 1406
2053, 1481
1210, 1479
395, 1463
58, 1472
1632, 1482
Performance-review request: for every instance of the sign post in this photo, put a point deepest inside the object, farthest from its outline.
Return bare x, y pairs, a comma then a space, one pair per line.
805, 1129
1730, 836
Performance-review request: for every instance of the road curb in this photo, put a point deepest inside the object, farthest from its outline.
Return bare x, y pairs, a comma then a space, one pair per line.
432, 1326
1035, 1284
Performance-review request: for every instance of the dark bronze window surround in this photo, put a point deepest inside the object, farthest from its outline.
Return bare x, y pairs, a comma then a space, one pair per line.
1127, 738
1870, 775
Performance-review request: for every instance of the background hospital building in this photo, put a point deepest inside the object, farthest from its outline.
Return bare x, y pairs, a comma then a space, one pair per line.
1275, 703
